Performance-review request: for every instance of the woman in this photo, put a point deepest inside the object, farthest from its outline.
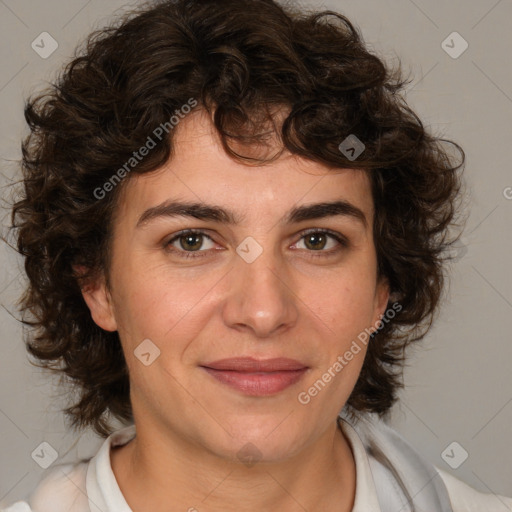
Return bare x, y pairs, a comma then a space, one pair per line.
233, 226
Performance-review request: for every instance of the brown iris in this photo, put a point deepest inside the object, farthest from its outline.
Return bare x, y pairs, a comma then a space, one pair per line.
189, 241
315, 241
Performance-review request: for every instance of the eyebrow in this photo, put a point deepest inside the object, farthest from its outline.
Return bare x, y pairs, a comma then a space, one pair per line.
203, 211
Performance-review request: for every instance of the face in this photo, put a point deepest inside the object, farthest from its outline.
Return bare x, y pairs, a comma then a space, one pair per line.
265, 274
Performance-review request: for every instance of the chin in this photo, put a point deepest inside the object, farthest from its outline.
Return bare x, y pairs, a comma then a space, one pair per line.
267, 439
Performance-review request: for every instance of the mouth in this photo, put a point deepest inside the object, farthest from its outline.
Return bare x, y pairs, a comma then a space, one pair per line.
256, 377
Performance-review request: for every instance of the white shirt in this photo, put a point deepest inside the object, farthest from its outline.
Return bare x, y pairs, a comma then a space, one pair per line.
92, 487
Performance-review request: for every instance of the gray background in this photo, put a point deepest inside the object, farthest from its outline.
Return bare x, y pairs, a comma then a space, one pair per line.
459, 385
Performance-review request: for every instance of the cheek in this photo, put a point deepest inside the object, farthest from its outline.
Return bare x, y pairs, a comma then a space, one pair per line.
346, 314
345, 301
157, 304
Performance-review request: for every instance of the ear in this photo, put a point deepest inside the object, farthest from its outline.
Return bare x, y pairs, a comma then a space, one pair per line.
98, 299
381, 299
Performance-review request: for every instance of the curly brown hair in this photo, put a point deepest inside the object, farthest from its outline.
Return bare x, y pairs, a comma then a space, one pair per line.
239, 59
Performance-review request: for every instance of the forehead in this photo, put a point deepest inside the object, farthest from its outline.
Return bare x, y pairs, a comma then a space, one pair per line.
200, 170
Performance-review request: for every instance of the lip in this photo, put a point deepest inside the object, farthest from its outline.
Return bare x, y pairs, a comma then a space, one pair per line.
257, 377
250, 364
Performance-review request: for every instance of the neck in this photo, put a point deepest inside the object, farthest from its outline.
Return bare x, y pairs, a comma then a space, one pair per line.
161, 473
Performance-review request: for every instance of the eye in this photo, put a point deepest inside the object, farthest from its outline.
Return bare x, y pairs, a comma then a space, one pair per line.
190, 241
325, 242
196, 244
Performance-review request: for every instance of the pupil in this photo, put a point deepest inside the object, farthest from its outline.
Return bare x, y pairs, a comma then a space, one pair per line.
189, 242
313, 241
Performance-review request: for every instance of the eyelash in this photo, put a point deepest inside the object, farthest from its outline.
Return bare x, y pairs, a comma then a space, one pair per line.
315, 254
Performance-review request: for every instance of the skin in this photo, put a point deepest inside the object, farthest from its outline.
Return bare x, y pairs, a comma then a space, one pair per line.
292, 301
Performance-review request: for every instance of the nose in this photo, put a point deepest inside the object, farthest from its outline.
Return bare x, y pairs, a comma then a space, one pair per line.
261, 299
